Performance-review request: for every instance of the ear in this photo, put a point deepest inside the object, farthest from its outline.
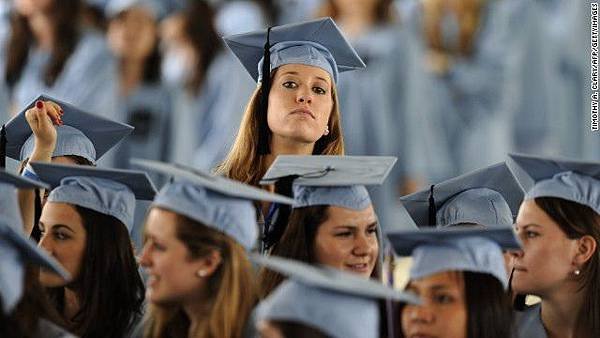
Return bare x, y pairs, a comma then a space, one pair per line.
210, 263
586, 248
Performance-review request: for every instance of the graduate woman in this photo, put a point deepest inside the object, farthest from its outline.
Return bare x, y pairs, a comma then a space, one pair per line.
559, 224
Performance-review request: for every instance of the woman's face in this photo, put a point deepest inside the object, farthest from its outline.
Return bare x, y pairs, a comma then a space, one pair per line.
133, 34
171, 271
545, 262
347, 240
30, 7
64, 237
300, 103
443, 312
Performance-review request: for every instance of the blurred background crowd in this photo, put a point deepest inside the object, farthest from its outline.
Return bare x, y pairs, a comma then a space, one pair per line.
450, 85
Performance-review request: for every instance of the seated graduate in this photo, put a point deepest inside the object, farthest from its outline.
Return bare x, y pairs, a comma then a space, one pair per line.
49, 130
198, 232
85, 225
24, 309
459, 275
323, 302
559, 224
333, 221
487, 196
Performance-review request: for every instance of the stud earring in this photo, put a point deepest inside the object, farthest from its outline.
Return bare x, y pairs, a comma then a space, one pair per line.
201, 273
577, 272
326, 131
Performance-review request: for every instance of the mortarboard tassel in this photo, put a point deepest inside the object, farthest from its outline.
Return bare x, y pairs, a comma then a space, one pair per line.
3, 146
36, 234
432, 209
263, 134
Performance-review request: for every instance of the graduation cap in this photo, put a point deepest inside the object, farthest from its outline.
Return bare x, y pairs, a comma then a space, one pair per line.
15, 249
458, 248
486, 196
330, 179
83, 134
575, 181
215, 201
337, 303
318, 43
111, 192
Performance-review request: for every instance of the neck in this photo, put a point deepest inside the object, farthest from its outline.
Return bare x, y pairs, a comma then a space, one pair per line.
560, 311
42, 30
131, 74
197, 312
71, 302
286, 146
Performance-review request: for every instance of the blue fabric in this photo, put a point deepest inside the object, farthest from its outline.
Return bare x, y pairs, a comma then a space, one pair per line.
355, 197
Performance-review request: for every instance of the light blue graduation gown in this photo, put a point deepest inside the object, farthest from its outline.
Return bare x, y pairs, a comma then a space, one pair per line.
528, 324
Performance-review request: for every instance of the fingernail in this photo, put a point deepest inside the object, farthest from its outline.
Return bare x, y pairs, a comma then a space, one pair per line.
39, 104
62, 112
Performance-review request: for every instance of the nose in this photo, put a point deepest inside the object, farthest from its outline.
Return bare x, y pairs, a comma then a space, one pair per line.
45, 243
363, 245
304, 96
516, 253
419, 314
144, 259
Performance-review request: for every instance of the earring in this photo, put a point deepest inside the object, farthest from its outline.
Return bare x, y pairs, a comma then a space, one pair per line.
201, 273
577, 272
326, 131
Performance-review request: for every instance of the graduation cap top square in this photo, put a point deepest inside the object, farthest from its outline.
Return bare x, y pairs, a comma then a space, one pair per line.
83, 134
318, 43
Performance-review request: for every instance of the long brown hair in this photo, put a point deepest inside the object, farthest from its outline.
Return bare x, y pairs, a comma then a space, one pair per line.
243, 162
578, 220
230, 287
65, 18
110, 288
298, 243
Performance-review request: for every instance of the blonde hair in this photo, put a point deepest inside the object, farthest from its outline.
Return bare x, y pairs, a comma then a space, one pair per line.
231, 288
243, 162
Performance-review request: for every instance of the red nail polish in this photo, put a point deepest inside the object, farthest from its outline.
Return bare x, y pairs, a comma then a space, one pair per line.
39, 104
62, 112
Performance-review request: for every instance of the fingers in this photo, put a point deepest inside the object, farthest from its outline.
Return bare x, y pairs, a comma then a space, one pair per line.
53, 111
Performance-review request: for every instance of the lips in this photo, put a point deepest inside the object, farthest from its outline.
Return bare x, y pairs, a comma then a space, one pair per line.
420, 335
358, 268
303, 111
519, 268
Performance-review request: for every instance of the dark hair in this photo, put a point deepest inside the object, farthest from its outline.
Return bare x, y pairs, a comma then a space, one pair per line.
34, 305
65, 18
291, 329
577, 220
297, 242
203, 37
109, 287
489, 312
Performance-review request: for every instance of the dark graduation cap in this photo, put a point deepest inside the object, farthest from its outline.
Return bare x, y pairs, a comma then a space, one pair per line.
318, 43
83, 134
487, 196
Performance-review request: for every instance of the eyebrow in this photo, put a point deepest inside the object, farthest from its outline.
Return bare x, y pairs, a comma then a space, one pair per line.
353, 226
57, 226
529, 225
296, 73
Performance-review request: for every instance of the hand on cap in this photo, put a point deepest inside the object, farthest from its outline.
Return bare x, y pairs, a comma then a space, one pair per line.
42, 119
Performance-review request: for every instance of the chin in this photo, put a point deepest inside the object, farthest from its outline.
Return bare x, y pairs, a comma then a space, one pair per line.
51, 280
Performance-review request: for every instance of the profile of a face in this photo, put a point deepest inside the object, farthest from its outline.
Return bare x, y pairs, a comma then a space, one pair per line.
30, 7
347, 240
133, 34
443, 312
546, 261
300, 103
64, 238
172, 272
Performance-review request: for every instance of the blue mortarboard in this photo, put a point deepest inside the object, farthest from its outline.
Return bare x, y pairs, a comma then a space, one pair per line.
318, 43
330, 179
575, 181
157, 8
83, 134
488, 196
15, 248
215, 201
339, 304
459, 248
111, 192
